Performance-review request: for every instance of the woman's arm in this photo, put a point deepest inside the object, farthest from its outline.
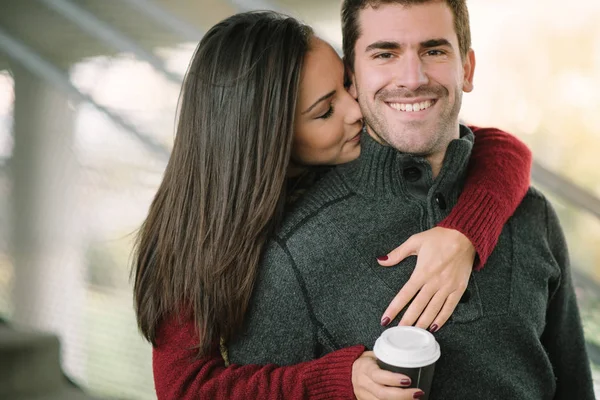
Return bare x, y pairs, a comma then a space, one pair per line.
275, 331
497, 181
345, 374
180, 374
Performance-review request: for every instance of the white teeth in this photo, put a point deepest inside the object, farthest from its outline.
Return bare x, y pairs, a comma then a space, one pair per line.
406, 107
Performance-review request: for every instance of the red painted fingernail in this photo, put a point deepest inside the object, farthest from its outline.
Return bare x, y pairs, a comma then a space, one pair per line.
385, 321
382, 258
434, 328
405, 382
418, 394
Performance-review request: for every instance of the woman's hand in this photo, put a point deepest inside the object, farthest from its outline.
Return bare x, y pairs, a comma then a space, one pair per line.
373, 383
444, 263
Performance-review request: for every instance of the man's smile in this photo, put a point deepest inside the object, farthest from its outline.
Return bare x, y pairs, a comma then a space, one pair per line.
412, 106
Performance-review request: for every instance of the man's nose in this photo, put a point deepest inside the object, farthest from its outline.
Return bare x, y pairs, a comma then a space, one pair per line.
411, 72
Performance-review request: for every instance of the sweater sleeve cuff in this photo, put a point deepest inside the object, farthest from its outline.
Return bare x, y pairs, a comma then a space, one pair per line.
330, 377
480, 218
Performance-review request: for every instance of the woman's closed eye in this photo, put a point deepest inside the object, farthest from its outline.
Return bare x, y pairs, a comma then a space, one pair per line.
328, 113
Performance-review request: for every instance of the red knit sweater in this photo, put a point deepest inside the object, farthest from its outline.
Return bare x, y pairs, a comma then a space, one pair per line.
497, 181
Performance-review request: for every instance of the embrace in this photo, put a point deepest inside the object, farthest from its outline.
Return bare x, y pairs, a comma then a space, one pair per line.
312, 202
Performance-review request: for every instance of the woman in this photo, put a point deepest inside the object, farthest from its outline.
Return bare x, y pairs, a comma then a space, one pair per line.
245, 140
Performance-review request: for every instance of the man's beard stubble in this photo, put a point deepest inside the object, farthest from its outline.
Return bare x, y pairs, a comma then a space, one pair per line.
382, 131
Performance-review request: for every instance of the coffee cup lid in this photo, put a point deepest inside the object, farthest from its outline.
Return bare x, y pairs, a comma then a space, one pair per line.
407, 346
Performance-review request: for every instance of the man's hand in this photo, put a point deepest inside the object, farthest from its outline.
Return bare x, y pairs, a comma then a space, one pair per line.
373, 383
444, 263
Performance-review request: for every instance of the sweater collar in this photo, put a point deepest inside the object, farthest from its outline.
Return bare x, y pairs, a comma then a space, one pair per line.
383, 170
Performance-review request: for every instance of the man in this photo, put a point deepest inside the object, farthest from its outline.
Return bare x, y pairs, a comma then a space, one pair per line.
516, 333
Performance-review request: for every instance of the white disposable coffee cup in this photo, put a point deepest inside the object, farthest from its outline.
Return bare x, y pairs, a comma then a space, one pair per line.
409, 351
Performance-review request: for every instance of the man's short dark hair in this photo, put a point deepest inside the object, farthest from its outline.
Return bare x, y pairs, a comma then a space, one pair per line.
351, 30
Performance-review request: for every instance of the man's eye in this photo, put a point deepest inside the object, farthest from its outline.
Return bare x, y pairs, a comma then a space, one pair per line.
328, 114
435, 53
384, 56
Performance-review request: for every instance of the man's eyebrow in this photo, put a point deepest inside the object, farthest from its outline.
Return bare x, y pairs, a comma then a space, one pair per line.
328, 95
383, 45
435, 43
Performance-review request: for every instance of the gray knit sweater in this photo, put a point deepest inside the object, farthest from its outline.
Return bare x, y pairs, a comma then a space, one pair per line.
516, 333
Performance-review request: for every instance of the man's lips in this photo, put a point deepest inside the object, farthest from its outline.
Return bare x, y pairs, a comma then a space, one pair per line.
411, 106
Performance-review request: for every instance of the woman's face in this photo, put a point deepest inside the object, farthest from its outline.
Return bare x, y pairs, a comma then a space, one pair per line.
328, 120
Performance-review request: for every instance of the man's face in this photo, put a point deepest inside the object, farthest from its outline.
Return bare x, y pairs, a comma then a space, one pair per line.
409, 76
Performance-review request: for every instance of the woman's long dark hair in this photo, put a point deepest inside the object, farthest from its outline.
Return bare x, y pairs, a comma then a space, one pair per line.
222, 193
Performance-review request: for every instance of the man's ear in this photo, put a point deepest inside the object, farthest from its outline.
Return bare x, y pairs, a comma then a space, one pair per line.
469, 71
349, 82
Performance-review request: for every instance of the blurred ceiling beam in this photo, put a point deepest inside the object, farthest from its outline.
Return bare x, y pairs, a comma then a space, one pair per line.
109, 35
252, 5
167, 19
30, 60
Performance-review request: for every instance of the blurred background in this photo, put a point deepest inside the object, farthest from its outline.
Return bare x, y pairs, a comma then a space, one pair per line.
88, 94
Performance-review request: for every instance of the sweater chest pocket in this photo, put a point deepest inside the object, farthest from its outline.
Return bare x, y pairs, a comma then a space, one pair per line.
469, 307
394, 278
489, 293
